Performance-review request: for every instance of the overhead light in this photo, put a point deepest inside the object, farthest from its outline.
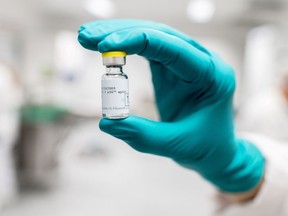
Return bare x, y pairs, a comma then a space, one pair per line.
201, 11
100, 8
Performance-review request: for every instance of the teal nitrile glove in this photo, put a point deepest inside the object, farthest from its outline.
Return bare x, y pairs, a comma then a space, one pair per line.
194, 90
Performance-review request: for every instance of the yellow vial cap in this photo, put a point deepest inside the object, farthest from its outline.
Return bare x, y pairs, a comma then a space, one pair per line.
114, 54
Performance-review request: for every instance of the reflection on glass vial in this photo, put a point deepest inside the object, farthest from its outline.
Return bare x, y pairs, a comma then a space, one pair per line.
115, 86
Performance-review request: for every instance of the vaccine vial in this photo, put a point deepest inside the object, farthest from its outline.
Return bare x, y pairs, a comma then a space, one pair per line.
115, 86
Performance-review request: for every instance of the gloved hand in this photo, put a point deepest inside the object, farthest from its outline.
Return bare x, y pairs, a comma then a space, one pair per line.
194, 92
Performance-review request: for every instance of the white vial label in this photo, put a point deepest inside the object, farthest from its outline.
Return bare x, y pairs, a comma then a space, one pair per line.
115, 97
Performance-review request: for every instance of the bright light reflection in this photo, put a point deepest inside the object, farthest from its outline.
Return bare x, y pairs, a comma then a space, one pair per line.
100, 8
201, 11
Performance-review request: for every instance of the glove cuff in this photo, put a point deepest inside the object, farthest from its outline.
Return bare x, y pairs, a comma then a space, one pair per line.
245, 171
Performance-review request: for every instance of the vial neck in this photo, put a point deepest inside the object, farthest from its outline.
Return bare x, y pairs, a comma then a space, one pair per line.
114, 70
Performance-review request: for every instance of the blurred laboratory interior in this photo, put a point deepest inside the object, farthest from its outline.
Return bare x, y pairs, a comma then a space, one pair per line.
54, 160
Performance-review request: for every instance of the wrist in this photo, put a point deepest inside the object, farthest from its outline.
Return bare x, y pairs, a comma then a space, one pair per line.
243, 173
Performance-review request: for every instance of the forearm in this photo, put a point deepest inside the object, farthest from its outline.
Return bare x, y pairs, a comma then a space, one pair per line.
270, 196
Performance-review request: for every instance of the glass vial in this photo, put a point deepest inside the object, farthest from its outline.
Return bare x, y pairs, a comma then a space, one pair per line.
115, 86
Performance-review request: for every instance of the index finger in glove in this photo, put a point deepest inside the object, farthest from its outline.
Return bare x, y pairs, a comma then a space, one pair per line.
90, 34
184, 60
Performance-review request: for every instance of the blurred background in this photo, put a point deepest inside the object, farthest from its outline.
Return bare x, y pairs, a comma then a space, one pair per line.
54, 160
